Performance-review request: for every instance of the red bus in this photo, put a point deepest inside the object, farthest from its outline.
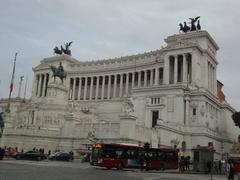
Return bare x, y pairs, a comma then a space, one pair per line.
130, 156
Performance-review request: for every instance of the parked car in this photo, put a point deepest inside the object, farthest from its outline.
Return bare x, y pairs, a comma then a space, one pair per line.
30, 155
61, 156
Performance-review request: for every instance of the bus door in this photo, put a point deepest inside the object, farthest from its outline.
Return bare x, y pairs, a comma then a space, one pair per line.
153, 160
170, 160
131, 158
109, 156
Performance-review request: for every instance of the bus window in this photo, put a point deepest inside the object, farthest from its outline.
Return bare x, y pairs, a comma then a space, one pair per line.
132, 154
169, 156
160, 155
119, 153
109, 152
96, 152
152, 155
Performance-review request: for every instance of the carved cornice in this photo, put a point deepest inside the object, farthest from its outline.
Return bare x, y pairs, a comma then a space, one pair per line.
191, 35
116, 70
159, 88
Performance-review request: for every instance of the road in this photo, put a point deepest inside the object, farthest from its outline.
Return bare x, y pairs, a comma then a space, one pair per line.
54, 170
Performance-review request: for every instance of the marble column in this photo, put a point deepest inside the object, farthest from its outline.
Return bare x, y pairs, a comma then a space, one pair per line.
115, 85
166, 70
145, 78
139, 79
44, 84
187, 99
215, 80
121, 85
97, 88
184, 69
79, 88
91, 88
70, 88
103, 87
36, 85
156, 76
109, 87
127, 83
85, 88
175, 69
74, 88
151, 77
133, 79
40, 85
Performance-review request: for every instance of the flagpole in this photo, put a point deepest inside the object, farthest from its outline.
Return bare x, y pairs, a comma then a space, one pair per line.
11, 84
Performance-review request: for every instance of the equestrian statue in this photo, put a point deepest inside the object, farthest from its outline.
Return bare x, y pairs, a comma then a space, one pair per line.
58, 72
63, 50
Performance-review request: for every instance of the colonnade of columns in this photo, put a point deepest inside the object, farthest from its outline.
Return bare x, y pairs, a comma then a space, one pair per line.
178, 69
112, 86
41, 84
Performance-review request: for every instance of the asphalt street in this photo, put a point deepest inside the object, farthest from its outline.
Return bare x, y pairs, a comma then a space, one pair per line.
54, 170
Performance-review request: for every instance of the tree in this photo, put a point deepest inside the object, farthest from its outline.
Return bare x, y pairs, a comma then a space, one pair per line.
236, 118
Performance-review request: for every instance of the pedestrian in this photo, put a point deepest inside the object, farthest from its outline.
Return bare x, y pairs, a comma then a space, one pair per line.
209, 166
220, 166
49, 152
187, 161
2, 153
237, 168
230, 170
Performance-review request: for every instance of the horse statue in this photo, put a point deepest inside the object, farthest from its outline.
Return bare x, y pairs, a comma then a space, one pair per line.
67, 50
184, 28
193, 26
58, 72
63, 50
57, 50
1, 123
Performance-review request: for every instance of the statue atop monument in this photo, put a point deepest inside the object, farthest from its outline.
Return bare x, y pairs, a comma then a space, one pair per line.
193, 27
63, 50
58, 72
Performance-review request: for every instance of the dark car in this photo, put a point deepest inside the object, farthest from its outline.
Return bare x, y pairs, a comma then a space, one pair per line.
61, 156
30, 155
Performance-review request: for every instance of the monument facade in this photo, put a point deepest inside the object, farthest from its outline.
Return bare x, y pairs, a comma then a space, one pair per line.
167, 97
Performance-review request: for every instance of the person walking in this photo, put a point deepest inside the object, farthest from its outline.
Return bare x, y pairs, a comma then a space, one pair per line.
220, 166
209, 166
230, 170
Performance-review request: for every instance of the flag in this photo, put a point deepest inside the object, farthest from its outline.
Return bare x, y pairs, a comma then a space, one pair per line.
13, 74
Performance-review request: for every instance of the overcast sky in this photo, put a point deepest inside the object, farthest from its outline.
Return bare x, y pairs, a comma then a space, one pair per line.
102, 29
